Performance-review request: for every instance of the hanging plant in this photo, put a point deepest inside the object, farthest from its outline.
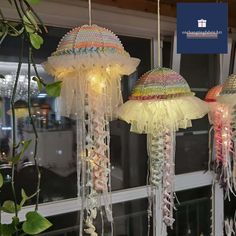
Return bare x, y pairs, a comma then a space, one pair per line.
29, 29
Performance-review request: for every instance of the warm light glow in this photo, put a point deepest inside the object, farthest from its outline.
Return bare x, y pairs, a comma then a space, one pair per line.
97, 82
108, 69
103, 85
93, 79
19, 112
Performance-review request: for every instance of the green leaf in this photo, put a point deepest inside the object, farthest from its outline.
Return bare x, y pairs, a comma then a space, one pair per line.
25, 144
4, 31
29, 27
2, 76
25, 197
36, 40
30, 23
39, 82
23, 194
54, 89
9, 207
35, 223
14, 23
15, 221
33, 1
7, 229
13, 31
1, 180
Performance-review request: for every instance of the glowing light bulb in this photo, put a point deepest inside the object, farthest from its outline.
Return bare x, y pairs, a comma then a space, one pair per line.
103, 85
108, 69
93, 79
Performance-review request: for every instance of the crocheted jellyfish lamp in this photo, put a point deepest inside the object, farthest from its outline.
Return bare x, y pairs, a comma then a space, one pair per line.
220, 126
227, 135
90, 61
161, 103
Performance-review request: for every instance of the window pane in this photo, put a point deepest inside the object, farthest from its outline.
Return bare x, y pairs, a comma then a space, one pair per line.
130, 219
193, 214
191, 153
128, 157
200, 71
167, 53
230, 207
128, 150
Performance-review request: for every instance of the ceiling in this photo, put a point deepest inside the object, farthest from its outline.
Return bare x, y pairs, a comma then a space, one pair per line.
168, 7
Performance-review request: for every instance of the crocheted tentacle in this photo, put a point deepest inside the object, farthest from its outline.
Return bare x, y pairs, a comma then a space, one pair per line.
168, 179
91, 229
223, 146
227, 150
99, 160
91, 194
233, 125
161, 154
156, 155
218, 136
84, 144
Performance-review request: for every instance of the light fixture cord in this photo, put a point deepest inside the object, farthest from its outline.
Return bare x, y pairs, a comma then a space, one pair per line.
221, 69
90, 12
158, 35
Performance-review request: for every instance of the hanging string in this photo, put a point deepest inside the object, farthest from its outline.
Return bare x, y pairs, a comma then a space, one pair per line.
221, 59
158, 35
90, 12
221, 69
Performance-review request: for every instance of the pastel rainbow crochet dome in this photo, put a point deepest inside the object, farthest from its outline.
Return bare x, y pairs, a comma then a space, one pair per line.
90, 46
89, 39
160, 83
229, 87
228, 92
161, 100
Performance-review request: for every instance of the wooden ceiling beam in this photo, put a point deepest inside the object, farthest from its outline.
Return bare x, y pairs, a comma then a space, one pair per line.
168, 7
140, 5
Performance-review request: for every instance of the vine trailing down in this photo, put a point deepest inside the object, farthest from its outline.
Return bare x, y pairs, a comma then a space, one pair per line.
28, 28
90, 61
166, 103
